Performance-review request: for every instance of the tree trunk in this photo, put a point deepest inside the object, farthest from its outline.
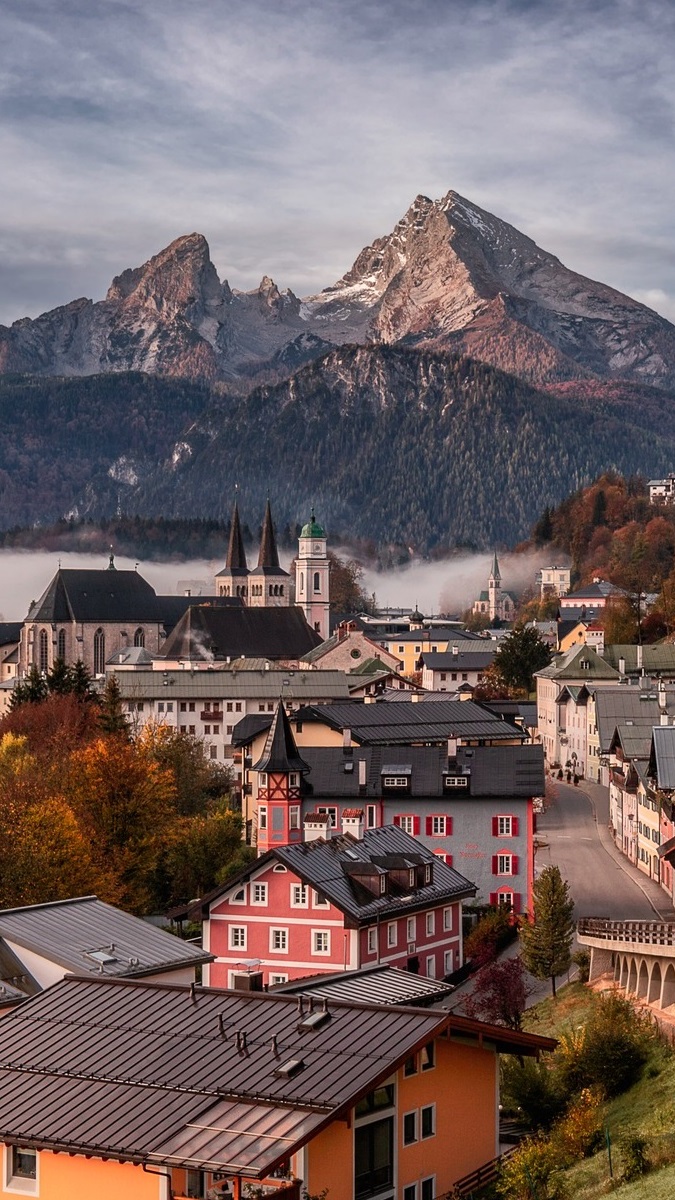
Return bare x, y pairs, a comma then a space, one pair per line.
553, 986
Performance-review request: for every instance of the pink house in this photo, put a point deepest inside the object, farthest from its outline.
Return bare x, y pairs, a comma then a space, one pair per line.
337, 904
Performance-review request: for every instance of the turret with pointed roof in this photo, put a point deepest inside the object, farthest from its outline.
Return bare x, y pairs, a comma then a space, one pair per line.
279, 769
269, 583
231, 581
495, 573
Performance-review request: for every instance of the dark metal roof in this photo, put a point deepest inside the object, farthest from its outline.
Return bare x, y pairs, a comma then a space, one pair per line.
68, 931
87, 595
410, 721
372, 985
268, 556
662, 758
10, 632
236, 555
471, 661
326, 866
215, 633
280, 752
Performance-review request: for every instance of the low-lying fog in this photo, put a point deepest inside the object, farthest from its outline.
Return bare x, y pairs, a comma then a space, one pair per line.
448, 587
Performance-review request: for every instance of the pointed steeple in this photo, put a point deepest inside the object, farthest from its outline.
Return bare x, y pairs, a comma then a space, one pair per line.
269, 555
236, 554
495, 573
280, 755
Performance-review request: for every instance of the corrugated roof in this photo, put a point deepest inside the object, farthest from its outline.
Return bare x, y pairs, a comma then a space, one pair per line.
227, 684
472, 661
662, 762
615, 706
409, 721
655, 658
372, 985
173, 1075
68, 931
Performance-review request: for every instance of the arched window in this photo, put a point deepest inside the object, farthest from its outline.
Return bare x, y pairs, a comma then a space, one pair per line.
317, 581
99, 652
271, 590
281, 589
62, 644
139, 636
44, 651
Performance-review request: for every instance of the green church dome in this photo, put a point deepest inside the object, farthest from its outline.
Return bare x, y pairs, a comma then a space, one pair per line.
312, 529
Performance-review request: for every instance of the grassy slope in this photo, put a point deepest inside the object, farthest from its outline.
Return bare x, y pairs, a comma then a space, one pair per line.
648, 1108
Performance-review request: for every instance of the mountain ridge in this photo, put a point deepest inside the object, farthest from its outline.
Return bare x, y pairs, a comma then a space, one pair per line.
450, 274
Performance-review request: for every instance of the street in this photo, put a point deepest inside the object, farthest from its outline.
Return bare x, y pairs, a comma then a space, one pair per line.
602, 882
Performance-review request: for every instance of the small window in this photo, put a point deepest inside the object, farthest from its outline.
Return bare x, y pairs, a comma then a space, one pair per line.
320, 941
239, 897
279, 869
505, 899
448, 962
207, 730
191, 706
183, 706
279, 940
191, 730
504, 826
213, 752
372, 941
294, 817
438, 826
410, 1065
319, 900
278, 979
410, 1192
228, 706
428, 1115
195, 1185
428, 1189
259, 893
430, 923
298, 895
262, 780
409, 1128
160, 706
395, 781
332, 813
447, 918
428, 1057
262, 818
407, 824
410, 929
392, 933
504, 864
371, 816
237, 939
22, 1169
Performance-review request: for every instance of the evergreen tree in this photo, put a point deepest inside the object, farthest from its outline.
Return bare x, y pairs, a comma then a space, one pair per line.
547, 942
82, 681
519, 655
111, 717
60, 678
31, 690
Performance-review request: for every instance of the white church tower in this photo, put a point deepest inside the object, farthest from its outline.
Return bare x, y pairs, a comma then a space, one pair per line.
312, 577
494, 590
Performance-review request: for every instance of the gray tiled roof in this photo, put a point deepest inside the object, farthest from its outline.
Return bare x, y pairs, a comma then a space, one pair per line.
471, 661
662, 759
66, 930
615, 706
657, 658
569, 666
215, 633
223, 683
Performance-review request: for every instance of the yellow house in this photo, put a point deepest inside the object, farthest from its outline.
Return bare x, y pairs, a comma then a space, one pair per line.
148, 1091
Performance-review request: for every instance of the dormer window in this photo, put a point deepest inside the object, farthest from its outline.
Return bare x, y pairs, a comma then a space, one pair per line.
383, 884
427, 873
293, 780
395, 781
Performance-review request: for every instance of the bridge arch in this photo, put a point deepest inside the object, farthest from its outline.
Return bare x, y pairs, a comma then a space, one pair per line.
642, 980
631, 985
668, 989
655, 984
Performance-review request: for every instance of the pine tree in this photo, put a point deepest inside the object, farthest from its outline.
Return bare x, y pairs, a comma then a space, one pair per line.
82, 681
31, 690
547, 942
60, 678
112, 718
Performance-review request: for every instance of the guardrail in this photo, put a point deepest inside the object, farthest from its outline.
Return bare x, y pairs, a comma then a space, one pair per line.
478, 1179
647, 933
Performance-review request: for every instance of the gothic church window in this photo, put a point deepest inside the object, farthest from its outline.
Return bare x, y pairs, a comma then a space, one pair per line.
317, 581
139, 637
44, 650
62, 644
99, 652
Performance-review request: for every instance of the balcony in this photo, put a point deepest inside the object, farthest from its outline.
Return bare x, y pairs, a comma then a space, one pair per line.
214, 715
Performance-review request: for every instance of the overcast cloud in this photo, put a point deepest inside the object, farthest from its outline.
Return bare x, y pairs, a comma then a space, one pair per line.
292, 133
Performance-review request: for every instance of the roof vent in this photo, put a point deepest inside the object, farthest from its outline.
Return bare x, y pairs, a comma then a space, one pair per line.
289, 1069
315, 1020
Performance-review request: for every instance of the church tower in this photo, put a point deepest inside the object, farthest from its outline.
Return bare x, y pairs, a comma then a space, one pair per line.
312, 577
495, 590
268, 583
279, 770
233, 579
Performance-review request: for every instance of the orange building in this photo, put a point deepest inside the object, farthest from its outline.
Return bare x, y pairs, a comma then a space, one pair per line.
152, 1091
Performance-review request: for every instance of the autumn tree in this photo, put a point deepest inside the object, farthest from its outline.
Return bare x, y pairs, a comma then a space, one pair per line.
500, 993
197, 780
547, 942
205, 851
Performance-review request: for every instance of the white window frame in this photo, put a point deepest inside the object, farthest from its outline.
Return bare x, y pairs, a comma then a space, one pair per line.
504, 898
507, 823
425, 1108
431, 966
232, 941
394, 781
411, 929
241, 889
410, 1191
505, 864
282, 930
428, 1179
447, 919
407, 823
413, 1112
448, 962
372, 941
259, 901
262, 816
430, 923
371, 816
439, 824
19, 1184
294, 816
319, 900
302, 899
392, 934
332, 811
324, 936
278, 978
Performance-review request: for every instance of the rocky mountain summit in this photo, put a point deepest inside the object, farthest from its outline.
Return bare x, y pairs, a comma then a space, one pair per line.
449, 276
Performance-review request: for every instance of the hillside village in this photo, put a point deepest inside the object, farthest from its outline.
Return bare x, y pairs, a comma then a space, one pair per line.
385, 785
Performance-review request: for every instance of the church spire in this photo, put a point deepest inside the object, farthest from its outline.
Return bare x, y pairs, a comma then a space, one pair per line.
269, 555
495, 572
236, 555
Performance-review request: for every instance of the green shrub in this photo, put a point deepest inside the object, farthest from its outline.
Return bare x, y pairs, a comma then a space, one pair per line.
633, 1157
610, 1051
582, 960
490, 934
531, 1173
531, 1089
579, 1133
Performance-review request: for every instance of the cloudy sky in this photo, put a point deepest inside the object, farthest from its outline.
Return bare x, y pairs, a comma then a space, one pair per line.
292, 133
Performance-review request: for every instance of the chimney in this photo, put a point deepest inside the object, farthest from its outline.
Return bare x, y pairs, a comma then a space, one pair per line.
316, 826
455, 649
416, 697
346, 741
664, 718
662, 697
352, 822
362, 774
452, 747
622, 666
638, 658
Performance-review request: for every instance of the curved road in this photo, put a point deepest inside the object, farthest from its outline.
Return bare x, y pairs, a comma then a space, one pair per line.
602, 882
